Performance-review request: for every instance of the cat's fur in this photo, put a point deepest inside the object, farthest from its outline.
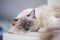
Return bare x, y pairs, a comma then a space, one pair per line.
25, 23
51, 22
45, 18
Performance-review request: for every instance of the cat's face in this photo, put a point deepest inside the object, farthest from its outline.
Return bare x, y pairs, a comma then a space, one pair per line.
26, 23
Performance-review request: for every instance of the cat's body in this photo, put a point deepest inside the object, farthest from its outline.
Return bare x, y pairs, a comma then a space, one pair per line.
51, 23
44, 18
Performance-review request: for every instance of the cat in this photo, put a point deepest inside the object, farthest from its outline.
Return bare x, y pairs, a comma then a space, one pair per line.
26, 23
43, 19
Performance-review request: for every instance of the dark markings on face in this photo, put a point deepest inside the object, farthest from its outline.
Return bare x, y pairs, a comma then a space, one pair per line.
26, 24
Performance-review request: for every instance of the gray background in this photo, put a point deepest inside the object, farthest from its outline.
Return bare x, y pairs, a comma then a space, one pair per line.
11, 8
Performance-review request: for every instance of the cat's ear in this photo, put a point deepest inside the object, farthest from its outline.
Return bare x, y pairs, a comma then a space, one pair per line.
31, 14
13, 21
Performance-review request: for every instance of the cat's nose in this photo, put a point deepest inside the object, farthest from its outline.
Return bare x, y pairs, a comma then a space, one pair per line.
27, 29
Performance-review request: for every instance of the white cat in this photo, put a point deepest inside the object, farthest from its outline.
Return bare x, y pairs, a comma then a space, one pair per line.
45, 18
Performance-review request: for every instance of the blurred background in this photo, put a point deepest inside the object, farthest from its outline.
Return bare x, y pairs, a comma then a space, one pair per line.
11, 8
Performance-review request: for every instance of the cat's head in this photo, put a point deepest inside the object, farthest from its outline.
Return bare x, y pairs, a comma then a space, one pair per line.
26, 23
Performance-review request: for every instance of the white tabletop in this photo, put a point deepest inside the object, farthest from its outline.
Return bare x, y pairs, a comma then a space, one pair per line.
28, 36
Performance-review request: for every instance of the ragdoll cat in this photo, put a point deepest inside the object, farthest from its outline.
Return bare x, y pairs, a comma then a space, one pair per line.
26, 23
43, 19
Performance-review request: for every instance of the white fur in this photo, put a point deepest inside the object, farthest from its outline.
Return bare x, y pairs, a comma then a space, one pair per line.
46, 17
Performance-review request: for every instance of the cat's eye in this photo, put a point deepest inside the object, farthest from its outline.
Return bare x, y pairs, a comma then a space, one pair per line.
29, 22
21, 25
